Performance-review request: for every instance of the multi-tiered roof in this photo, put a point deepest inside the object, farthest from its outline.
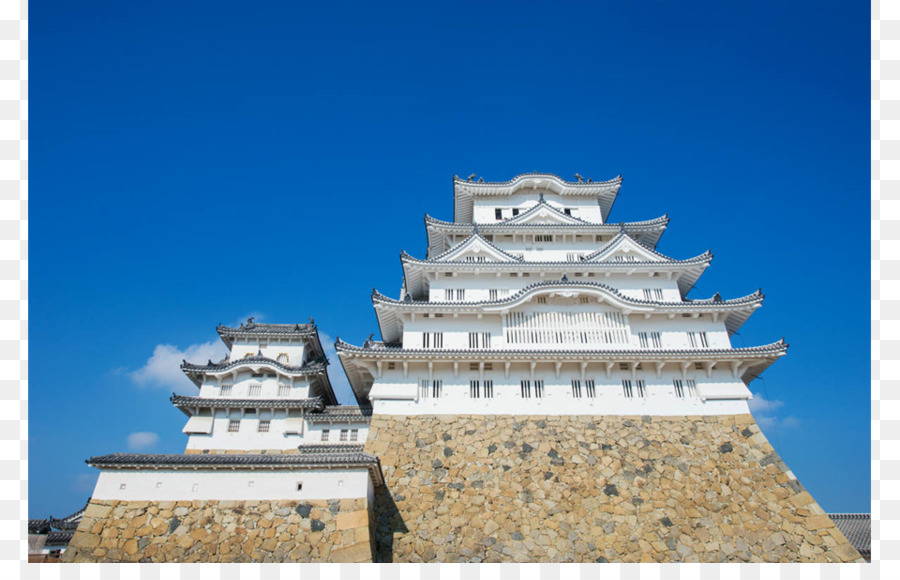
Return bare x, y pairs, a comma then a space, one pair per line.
527, 227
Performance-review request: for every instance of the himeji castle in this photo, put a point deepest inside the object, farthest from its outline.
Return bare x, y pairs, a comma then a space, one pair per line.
530, 302
544, 389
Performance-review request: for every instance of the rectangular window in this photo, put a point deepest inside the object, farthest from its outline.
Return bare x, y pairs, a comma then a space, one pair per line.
460, 294
589, 388
354, 434
325, 434
492, 294
543, 238
284, 390
234, 425
539, 389
436, 388
263, 426
567, 211
698, 339
641, 389
644, 340
526, 389
679, 388
479, 340
226, 391
475, 389
576, 388
653, 294
345, 434
432, 340
656, 339
488, 389
448, 294
498, 214
255, 390
691, 388
488, 366
515, 211
541, 299
627, 388
423, 389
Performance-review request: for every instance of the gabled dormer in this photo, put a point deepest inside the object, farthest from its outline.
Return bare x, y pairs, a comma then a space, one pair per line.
623, 248
544, 214
475, 248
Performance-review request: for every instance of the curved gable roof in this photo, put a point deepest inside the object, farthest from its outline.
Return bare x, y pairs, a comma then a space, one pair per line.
475, 244
544, 213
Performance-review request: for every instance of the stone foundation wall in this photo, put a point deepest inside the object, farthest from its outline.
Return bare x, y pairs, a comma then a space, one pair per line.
591, 489
223, 531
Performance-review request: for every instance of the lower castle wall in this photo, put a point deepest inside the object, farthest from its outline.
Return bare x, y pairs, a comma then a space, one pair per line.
223, 531
591, 489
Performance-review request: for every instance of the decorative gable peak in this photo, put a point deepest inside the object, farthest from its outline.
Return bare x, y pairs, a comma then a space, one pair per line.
475, 248
624, 248
544, 214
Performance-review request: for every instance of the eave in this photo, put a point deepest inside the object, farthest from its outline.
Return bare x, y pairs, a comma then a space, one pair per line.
438, 232
363, 364
308, 332
464, 191
735, 312
188, 404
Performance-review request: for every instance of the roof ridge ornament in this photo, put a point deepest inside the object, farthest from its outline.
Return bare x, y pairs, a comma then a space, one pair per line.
471, 177
475, 230
579, 178
564, 278
541, 198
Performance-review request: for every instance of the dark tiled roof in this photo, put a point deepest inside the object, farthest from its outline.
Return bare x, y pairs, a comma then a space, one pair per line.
691, 304
340, 413
226, 402
195, 371
624, 354
331, 448
70, 522
614, 181
260, 330
654, 224
59, 538
38, 526
334, 456
858, 530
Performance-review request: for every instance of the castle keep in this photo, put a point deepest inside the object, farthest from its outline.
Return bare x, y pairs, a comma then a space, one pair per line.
543, 390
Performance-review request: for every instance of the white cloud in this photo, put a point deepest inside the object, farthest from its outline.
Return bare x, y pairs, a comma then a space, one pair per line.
764, 411
163, 369
142, 440
336, 374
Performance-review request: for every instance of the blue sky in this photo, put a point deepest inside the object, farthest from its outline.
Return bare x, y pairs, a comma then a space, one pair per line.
201, 162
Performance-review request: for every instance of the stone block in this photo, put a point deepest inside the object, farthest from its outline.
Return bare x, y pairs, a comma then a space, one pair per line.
356, 519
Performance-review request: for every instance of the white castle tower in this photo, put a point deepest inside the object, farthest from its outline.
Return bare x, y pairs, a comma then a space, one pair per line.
531, 303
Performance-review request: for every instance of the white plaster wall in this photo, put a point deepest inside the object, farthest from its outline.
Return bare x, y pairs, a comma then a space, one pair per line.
674, 331
585, 208
263, 484
477, 286
395, 393
248, 436
242, 379
294, 348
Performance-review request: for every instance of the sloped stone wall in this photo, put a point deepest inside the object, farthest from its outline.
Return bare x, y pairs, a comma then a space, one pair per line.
591, 489
223, 531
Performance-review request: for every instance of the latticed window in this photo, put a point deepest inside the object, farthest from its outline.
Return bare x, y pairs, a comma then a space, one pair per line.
574, 328
589, 388
488, 389
691, 385
234, 425
698, 339
641, 389
325, 434
430, 389
479, 340
653, 294
576, 388
498, 214
679, 388
226, 391
255, 390
284, 390
627, 388
283, 358
345, 434
354, 434
492, 294
432, 340
539, 389
525, 387
263, 425
475, 389
543, 238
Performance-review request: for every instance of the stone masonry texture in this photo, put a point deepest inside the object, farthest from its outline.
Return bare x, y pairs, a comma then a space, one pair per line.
223, 531
484, 488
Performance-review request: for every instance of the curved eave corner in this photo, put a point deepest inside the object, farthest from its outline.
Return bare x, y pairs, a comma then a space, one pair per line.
355, 375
